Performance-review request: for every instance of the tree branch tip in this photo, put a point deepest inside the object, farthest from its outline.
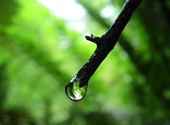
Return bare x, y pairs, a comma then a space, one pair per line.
94, 39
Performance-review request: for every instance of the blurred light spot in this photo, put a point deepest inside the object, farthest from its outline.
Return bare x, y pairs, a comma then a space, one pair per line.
123, 55
107, 12
64, 45
106, 78
67, 9
127, 78
135, 43
141, 80
49, 21
62, 116
79, 26
166, 94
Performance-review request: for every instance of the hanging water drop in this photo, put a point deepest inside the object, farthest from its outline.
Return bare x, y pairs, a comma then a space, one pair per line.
76, 89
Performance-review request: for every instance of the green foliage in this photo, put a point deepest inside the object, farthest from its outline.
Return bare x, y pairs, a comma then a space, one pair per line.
40, 54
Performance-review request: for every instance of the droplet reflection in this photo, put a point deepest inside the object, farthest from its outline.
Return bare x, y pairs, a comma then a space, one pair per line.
75, 90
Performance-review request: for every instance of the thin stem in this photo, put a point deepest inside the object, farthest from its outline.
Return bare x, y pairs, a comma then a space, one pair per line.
106, 42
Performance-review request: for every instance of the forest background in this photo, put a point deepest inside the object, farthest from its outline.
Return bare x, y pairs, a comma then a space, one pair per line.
40, 52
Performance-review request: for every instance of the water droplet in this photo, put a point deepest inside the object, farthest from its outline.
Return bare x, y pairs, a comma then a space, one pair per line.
76, 90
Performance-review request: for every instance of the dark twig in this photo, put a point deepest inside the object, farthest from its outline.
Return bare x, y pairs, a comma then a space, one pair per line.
105, 43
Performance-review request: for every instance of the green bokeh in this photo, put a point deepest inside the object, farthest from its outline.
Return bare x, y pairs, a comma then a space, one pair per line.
39, 55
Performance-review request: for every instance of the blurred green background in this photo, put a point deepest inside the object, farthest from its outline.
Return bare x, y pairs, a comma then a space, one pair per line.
40, 53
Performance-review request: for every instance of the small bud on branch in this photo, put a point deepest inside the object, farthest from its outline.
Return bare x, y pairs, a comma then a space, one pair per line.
105, 44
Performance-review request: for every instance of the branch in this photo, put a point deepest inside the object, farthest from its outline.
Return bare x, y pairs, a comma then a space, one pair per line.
77, 87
